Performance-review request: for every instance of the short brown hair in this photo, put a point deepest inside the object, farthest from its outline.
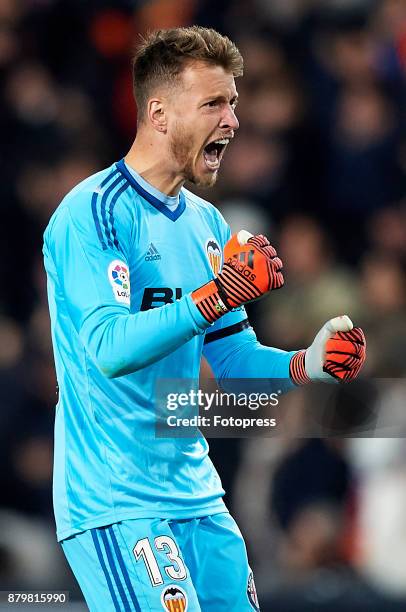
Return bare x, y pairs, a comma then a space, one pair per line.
163, 55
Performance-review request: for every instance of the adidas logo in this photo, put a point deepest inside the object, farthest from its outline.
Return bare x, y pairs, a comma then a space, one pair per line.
152, 254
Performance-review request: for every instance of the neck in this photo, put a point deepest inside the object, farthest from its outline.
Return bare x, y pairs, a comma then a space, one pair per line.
152, 161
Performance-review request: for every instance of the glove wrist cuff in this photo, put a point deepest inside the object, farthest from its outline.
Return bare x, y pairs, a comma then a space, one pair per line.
297, 368
209, 301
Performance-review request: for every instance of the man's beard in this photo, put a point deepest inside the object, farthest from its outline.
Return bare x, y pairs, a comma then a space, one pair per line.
181, 147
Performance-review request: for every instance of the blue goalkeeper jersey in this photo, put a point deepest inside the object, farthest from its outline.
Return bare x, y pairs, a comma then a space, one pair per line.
121, 261
112, 248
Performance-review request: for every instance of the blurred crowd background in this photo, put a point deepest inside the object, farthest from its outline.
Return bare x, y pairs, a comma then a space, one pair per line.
319, 166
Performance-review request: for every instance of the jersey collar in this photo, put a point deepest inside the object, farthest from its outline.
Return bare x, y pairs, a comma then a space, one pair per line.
156, 203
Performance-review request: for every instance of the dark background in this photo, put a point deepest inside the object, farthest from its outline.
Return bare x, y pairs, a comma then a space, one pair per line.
319, 166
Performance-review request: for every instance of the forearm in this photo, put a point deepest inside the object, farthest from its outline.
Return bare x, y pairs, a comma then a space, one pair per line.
122, 343
242, 356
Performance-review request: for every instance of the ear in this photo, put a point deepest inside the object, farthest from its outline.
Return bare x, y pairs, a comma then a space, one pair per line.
157, 115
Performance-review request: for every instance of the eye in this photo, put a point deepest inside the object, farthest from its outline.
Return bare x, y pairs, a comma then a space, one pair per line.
212, 103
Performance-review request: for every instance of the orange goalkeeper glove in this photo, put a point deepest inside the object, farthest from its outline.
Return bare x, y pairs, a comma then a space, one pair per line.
338, 352
251, 269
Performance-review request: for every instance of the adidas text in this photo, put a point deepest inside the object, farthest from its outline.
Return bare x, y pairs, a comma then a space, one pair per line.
152, 253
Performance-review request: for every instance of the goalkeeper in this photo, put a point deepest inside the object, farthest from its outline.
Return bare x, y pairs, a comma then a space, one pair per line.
144, 277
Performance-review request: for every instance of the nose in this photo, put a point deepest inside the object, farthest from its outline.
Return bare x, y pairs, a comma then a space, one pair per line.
229, 119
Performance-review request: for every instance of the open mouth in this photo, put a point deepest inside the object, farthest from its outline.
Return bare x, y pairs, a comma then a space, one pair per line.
213, 152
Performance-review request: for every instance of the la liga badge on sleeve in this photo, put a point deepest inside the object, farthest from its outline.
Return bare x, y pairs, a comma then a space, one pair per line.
119, 278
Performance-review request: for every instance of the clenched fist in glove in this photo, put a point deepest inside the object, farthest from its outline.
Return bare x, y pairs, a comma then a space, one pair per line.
337, 353
251, 269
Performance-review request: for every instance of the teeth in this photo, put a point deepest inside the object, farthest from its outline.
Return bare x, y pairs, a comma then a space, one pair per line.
223, 141
213, 165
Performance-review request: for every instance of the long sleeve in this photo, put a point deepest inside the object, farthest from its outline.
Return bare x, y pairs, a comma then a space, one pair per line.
86, 278
123, 343
240, 355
